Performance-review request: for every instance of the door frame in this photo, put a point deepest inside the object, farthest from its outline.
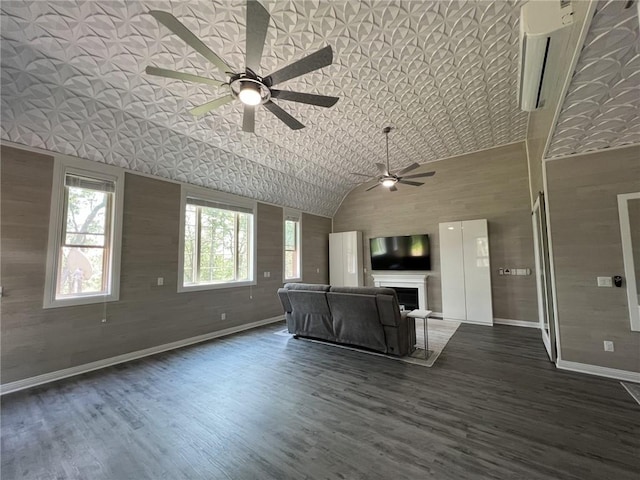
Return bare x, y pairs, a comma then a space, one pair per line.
543, 276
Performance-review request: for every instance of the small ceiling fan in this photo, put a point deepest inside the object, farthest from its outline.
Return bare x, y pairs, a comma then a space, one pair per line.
388, 179
247, 86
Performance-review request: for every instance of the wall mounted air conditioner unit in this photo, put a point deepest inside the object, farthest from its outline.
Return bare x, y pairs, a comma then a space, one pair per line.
539, 21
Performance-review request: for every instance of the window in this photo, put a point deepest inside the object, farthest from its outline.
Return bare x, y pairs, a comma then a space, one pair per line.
217, 240
292, 254
84, 234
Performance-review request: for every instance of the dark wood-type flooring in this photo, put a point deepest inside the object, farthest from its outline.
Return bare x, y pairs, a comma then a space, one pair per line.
261, 406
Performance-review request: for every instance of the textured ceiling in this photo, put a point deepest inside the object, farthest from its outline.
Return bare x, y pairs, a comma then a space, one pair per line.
602, 106
443, 73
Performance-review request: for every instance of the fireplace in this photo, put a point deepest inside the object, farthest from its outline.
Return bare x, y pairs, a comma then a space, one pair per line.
417, 283
407, 297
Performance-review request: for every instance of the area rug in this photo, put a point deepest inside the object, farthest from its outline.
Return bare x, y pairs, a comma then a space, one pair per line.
633, 389
439, 331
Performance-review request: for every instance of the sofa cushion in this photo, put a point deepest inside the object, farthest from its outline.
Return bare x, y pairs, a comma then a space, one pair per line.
364, 290
310, 314
388, 309
313, 287
355, 320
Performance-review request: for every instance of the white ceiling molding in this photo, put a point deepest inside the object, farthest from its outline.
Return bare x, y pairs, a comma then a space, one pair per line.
444, 74
602, 106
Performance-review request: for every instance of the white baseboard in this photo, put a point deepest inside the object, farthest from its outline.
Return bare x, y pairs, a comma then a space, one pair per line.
440, 315
107, 362
473, 322
516, 323
624, 375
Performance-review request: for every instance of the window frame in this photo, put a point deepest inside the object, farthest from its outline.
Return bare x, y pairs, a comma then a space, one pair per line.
296, 215
205, 194
64, 165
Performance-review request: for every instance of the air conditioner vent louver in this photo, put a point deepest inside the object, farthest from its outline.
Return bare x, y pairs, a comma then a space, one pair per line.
539, 22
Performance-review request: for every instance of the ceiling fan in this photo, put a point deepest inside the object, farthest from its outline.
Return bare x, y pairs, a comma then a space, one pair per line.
247, 86
388, 179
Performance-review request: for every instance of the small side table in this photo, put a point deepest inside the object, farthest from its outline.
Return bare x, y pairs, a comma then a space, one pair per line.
424, 315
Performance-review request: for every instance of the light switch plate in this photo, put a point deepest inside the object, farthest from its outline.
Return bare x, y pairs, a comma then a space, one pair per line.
605, 282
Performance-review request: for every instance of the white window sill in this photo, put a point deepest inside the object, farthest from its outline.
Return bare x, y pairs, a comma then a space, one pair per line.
214, 286
84, 300
292, 280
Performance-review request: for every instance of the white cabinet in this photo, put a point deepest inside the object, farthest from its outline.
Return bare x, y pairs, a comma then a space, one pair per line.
465, 271
345, 259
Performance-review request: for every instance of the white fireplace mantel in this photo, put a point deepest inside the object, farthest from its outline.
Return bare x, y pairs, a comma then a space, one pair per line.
405, 280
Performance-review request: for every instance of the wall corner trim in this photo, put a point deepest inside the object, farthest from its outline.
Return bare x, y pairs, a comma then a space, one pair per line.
516, 323
107, 362
624, 375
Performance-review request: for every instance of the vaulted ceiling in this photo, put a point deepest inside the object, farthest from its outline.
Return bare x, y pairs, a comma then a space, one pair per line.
444, 74
602, 106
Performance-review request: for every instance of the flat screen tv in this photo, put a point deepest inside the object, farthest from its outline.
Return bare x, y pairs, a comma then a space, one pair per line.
410, 252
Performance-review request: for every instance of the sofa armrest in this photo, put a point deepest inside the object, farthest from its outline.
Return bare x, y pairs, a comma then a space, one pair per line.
283, 293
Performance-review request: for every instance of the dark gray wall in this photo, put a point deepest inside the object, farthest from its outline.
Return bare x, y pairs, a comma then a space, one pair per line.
36, 341
491, 184
585, 231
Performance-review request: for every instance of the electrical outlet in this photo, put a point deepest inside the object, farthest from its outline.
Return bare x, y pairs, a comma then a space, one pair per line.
605, 282
160, 281
317, 270
608, 346
223, 316
501, 271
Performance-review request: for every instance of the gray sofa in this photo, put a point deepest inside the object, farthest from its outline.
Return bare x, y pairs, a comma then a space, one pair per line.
361, 316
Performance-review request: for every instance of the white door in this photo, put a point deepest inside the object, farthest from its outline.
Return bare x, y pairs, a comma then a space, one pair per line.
477, 271
543, 281
336, 263
452, 271
350, 258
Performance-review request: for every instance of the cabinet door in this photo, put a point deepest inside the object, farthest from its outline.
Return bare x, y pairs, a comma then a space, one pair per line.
336, 262
477, 271
452, 271
350, 256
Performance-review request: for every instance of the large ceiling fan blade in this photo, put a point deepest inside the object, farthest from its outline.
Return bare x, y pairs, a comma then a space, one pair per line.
362, 174
371, 188
212, 105
413, 166
249, 119
316, 60
382, 168
173, 24
407, 182
308, 98
185, 77
418, 175
257, 24
292, 123
393, 188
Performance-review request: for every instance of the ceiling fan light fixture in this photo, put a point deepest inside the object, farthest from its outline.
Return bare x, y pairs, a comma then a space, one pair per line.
389, 182
250, 94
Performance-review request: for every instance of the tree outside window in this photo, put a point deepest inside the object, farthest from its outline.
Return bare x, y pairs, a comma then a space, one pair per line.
217, 245
84, 255
291, 249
